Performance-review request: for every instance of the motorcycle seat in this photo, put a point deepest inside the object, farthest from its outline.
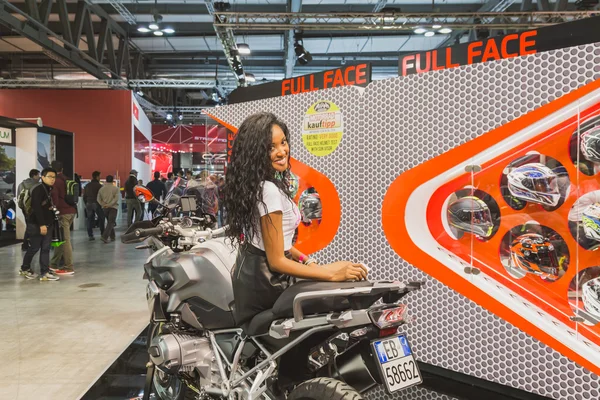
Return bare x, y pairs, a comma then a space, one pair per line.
283, 307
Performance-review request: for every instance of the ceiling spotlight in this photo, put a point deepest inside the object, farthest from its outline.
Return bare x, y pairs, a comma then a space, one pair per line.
250, 77
154, 26
143, 29
429, 33
445, 30
168, 30
436, 26
139, 92
243, 48
180, 116
169, 116
304, 57
420, 31
158, 33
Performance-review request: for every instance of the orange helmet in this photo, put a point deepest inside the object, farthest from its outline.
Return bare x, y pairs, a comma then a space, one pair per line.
534, 254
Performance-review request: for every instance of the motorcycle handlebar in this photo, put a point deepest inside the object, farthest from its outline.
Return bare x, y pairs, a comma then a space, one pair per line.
157, 230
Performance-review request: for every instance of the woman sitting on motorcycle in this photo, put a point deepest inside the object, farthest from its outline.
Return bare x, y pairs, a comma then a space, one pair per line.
262, 219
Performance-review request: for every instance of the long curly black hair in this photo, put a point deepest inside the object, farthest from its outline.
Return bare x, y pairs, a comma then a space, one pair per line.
250, 165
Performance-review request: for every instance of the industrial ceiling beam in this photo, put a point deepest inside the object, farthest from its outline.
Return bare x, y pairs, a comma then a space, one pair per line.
391, 21
116, 83
65, 45
491, 5
294, 6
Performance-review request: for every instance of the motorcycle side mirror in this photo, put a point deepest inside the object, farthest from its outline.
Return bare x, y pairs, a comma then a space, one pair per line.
143, 194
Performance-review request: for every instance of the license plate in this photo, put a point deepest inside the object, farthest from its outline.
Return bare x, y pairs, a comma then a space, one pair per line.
397, 363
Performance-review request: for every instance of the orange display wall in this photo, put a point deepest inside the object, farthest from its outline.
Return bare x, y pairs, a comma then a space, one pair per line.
101, 121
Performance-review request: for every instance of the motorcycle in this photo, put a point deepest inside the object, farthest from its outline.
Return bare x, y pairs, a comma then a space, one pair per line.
321, 340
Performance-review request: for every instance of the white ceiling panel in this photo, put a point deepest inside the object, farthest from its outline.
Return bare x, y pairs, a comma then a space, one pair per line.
152, 44
358, 45
23, 43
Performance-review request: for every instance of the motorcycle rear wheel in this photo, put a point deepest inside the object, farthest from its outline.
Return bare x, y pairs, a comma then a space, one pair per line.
324, 389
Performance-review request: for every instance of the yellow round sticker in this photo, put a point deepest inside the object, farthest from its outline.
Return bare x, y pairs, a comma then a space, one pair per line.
323, 128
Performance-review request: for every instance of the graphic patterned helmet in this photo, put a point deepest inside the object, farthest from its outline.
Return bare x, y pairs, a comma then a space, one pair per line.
534, 254
590, 144
471, 214
534, 182
591, 221
591, 296
310, 207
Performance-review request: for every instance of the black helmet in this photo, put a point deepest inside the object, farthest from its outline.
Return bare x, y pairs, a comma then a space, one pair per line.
310, 207
471, 214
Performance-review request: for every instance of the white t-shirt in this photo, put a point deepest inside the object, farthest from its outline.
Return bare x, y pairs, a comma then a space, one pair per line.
276, 200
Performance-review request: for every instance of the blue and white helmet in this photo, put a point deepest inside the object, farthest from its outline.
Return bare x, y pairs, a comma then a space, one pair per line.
590, 144
591, 221
534, 182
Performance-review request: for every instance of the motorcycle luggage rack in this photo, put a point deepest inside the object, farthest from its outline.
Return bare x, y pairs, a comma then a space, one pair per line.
282, 328
359, 297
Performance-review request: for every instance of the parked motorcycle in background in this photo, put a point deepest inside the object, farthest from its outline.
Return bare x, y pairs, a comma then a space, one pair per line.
321, 340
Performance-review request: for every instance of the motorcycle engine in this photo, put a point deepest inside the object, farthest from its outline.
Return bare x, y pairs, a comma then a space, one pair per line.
180, 353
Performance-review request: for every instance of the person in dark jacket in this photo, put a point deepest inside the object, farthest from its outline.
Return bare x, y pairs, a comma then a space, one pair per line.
92, 208
133, 204
158, 189
34, 178
39, 228
65, 219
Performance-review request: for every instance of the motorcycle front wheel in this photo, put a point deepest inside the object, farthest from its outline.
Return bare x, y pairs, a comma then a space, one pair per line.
324, 389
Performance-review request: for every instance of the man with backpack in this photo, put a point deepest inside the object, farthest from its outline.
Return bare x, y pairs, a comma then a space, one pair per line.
92, 208
133, 204
23, 190
40, 214
65, 196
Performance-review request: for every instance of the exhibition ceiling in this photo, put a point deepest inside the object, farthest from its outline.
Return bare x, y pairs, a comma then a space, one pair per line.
198, 45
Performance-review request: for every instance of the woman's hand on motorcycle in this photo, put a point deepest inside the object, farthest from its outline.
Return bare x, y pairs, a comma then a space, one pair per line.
346, 271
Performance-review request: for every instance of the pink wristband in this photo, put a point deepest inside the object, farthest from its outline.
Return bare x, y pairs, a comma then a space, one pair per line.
302, 258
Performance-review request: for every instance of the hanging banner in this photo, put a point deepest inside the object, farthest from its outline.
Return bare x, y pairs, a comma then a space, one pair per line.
501, 47
350, 75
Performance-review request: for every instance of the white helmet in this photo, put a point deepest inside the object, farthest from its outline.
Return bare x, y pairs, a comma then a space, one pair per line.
590, 144
591, 296
534, 182
591, 221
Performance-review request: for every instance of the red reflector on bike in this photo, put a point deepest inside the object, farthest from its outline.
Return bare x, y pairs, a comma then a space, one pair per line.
388, 332
389, 317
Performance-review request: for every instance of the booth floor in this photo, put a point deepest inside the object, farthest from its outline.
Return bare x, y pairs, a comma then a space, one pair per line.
59, 337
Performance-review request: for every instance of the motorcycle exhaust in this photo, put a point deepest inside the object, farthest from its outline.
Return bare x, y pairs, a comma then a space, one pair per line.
355, 367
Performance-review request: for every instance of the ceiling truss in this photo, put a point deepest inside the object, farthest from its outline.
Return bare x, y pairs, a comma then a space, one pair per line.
396, 21
65, 45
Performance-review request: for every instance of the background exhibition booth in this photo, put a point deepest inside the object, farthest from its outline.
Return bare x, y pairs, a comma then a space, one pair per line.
99, 130
455, 131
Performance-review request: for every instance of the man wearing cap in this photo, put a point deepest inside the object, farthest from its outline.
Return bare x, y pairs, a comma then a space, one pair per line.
133, 204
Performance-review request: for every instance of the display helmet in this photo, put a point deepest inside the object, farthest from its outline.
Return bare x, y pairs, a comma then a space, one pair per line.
534, 254
534, 182
310, 207
591, 221
591, 296
471, 214
590, 144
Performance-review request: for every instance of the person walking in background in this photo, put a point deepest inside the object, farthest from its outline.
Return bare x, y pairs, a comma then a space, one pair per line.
169, 181
133, 204
188, 175
40, 218
108, 199
65, 219
92, 208
158, 189
27, 184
